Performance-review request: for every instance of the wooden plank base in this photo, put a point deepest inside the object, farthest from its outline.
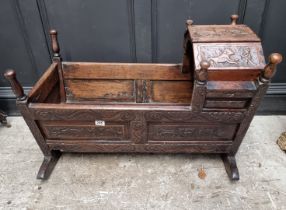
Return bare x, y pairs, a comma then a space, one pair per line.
230, 166
48, 165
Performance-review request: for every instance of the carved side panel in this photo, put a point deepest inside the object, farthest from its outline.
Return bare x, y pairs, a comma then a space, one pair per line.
230, 55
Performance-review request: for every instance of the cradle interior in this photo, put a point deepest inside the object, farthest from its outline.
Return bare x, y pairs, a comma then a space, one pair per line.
126, 83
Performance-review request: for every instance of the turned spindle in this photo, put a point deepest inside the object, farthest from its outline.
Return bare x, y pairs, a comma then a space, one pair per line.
202, 74
17, 88
55, 43
270, 69
234, 19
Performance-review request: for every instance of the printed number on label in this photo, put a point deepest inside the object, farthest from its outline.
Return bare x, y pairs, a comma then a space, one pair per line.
99, 123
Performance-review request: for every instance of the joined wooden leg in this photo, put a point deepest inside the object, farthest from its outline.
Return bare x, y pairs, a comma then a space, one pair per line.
48, 165
230, 166
3, 119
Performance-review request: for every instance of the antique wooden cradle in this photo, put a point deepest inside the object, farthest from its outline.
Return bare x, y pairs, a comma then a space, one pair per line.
204, 105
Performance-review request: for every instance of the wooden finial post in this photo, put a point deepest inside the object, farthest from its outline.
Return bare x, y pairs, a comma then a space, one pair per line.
55, 43
189, 23
202, 74
270, 69
234, 19
17, 88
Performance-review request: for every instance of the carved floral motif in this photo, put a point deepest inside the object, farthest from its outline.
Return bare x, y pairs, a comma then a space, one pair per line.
224, 116
138, 131
84, 115
114, 132
190, 116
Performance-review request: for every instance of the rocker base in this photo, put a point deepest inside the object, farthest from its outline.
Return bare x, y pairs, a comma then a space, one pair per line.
230, 166
48, 165
3, 119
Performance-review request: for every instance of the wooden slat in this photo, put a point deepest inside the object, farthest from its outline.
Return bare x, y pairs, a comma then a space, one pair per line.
233, 75
230, 56
239, 104
230, 89
231, 85
171, 91
69, 107
100, 90
44, 85
191, 147
81, 70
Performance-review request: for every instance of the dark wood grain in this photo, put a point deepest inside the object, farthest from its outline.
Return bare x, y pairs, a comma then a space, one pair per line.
152, 108
44, 85
84, 70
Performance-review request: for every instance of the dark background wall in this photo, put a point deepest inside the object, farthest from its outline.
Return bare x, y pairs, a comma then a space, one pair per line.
126, 31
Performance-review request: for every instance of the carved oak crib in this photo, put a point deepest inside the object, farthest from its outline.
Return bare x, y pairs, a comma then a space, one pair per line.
204, 105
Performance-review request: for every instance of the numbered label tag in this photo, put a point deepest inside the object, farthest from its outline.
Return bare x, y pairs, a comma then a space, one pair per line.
99, 123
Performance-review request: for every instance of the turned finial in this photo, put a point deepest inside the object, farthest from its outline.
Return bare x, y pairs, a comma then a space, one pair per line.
270, 69
189, 23
17, 88
234, 19
202, 74
55, 44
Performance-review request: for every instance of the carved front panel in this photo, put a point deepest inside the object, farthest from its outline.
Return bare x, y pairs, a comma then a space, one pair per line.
189, 132
230, 55
86, 131
225, 103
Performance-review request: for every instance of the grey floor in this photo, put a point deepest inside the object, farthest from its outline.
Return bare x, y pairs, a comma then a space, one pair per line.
144, 181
